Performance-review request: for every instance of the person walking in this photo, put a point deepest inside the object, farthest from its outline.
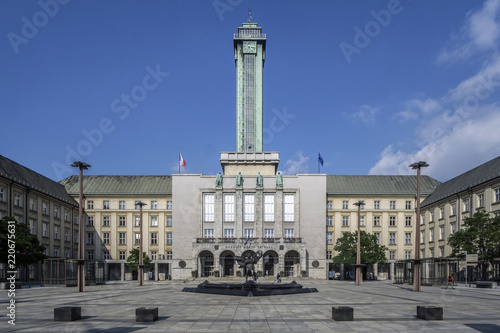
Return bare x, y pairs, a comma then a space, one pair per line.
450, 282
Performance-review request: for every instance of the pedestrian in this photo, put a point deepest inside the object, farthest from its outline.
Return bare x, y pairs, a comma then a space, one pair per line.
450, 282
278, 278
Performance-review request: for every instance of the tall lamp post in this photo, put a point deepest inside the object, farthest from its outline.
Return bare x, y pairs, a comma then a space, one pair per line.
416, 270
358, 247
81, 255
141, 264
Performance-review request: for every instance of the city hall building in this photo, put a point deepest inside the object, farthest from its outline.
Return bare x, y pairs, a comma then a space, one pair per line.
197, 225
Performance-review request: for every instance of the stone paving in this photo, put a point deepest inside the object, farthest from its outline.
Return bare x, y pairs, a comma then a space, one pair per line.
378, 307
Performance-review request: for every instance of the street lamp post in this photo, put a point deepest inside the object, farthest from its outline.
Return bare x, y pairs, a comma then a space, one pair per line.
358, 247
416, 270
81, 255
141, 264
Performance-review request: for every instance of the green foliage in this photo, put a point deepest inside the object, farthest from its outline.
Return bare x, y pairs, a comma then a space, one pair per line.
371, 252
480, 234
17, 236
133, 260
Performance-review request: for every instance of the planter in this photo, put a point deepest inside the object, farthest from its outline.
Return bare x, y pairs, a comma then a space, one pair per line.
238, 273
194, 273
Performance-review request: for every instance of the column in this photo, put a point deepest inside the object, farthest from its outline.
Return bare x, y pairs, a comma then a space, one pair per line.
122, 271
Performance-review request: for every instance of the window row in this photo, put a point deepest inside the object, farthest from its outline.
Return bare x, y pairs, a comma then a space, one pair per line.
376, 204
122, 221
122, 204
122, 238
392, 238
376, 221
248, 233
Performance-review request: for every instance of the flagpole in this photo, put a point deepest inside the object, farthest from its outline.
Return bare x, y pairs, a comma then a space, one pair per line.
179, 162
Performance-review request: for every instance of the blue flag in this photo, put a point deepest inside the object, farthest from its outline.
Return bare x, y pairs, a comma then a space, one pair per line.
320, 159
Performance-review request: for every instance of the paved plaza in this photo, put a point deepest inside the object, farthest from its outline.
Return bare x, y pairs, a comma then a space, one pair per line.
378, 307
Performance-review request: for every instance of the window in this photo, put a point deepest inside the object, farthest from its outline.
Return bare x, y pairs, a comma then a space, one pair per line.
33, 227
90, 238
269, 207
453, 209
329, 238
169, 221
432, 216
106, 255
441, 233
90, 221
154, 238
105, 238
2, 194
345, 221
376, 204
121, 238
66, 252
169, 204
75, 218
408, 238
329, 220
18, 200
248, 202
269, 233
32, 204
392, 204
431, 251
169, 238
90, 254
45, 229
377, 234
480, 200
169, 255
137, 238
329, 204
208, 207
57, 212
45, 208
431, 235
75, 237
441, 251
328, 254
56, 232
407, 255
466, 204
122, 221
248, 233
66, 234
121, 255
209, 233
441, 212
154, 221
56, 251
66, 215
345, 204
121, 204
137, 221
105, 204
229, 207
392, 255
90, 204
289, 207
408, 221
376, 221
497, 195
105, 221
289, 233
408, 204
362, 221
154, 204
392, 238
392, 221
154, 255
422, 236
229, 233
453, 228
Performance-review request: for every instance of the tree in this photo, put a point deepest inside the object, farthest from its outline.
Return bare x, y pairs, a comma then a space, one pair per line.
371, 252
133, 260
480, 234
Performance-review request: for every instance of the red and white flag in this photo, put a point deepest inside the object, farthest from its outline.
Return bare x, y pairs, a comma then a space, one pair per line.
182, 161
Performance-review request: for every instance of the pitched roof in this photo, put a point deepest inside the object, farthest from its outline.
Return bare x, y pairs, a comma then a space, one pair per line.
379, 185
33, 180
119, 185
479, 175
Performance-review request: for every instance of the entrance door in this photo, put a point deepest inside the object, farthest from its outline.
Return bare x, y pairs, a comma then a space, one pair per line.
228, 266
269, 265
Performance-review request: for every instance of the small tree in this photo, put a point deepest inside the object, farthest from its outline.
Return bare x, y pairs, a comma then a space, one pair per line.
371, 252
481, 235
133, 260
17, 241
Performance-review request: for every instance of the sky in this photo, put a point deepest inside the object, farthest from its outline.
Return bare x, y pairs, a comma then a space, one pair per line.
373, 86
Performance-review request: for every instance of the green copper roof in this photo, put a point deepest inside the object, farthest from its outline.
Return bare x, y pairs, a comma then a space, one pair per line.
33, 180
479, 175
379, 185
120, 185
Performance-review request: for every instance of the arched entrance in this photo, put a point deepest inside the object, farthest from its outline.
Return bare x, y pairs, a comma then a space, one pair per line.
206, 263
270, 261
227, 263
292, 263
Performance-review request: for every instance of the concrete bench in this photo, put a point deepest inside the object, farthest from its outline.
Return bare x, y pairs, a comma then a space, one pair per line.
486, 284
68, 313
430, 312
146, 314
342, 313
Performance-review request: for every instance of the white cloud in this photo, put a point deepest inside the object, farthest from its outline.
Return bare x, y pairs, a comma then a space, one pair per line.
480, 33
415, 107
297, 164
365, 114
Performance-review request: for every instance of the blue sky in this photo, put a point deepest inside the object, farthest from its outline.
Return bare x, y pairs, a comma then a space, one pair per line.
372, 85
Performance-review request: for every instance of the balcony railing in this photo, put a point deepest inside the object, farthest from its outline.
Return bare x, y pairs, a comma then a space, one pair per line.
243, 240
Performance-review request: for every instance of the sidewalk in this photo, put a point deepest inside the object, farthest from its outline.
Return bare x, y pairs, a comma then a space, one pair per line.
379, 306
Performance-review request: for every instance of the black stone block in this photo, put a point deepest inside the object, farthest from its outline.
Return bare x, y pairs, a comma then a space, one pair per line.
68, 313
342, 313
430, 312
146, 314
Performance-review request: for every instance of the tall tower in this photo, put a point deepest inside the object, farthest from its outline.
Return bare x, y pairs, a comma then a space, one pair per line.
249, 57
